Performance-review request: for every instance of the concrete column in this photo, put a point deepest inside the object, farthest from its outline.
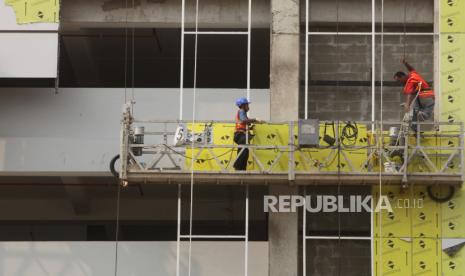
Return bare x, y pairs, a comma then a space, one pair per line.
284, 106
283, 237
284, 71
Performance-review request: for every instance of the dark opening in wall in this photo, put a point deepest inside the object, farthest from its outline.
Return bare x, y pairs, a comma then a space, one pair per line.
151, 58
148, 212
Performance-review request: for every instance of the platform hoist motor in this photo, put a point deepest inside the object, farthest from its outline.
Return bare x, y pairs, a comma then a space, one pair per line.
185, 136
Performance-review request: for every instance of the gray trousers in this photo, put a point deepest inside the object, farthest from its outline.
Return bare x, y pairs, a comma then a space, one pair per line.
423, 110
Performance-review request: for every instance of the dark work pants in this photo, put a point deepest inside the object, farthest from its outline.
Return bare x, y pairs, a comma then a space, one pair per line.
241, 161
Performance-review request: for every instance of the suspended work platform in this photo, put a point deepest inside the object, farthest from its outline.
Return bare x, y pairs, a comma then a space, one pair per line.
359, 153
231, 178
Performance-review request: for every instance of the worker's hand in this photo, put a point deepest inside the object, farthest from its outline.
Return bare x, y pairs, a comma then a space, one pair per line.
403, 61
407, 118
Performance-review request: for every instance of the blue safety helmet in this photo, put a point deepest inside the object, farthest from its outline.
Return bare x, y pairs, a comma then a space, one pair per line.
241, 101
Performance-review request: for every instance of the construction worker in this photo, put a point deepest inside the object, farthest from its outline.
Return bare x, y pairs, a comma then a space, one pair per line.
241, 135
418, 94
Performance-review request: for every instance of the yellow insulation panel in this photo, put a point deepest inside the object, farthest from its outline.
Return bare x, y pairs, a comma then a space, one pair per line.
277, 160
452, 216
35, 11
408, 241
394, 261
453, 266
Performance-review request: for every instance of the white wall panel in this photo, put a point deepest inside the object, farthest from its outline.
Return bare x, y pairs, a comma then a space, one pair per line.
8, 21
26, 51
134, 258
78, 129
28, 55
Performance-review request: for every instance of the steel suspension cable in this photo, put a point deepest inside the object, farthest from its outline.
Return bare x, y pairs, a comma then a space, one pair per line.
126, 63
373, 61
338, 142
249, 46
193, 142
181, 97
405, 29
249, 36
410, 188
181, 71
59, 45
118, 199
306, 60
118, 193
133, 62
381, 126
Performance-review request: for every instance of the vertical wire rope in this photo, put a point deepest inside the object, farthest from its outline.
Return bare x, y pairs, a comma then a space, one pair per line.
304, 234
338, 140
304, 212
246, 254
59, 44
133, 60
381, 128
118, 195
249, 46
118, 198
181, 71
306, 59
410, 192
373, 61
405, 29
178, 231
181, 96
193, 122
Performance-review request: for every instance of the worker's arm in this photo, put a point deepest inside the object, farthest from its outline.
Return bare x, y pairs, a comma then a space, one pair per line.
244, 119
408, 66
249, 121
408, 102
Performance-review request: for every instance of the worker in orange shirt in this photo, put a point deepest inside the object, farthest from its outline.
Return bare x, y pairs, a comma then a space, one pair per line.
418, 94
241, 135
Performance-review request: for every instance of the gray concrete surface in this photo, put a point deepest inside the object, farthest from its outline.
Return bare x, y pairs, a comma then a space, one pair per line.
283, 237
343, 60
232, 13
284, 92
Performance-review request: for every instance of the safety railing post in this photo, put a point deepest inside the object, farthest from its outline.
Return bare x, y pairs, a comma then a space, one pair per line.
406, 156
304, 234
461, 150
291, 149
124, 146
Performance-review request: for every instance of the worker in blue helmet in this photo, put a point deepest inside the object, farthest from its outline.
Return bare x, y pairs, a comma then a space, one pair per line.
241, 135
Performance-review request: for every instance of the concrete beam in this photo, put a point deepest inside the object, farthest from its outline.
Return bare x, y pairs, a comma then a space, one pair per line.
231, 13
358, 11
163, 13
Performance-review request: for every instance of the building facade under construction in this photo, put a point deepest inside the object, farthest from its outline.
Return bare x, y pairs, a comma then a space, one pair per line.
119, 149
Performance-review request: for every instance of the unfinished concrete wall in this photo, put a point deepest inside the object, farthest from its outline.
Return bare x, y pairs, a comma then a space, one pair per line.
338, 257
340, 74
231, 13
163, 13
359, 11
